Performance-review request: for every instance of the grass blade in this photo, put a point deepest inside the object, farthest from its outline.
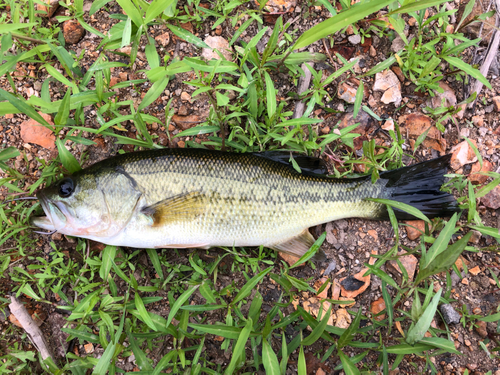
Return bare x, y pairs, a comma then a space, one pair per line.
153, 256
180, 301
441, 243
318, 331
139, 305
445, 260
349, 367
239, 347
269, 359
418, 331
131, 11
456, 62
349, 333
187, 36
107, 261
67, 159
156, 8
338, 22
359, 98
248, 287
270, 96
105, 361
402, 206
301, 365
24, 107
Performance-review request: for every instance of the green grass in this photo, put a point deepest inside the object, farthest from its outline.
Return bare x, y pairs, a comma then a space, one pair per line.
112, 297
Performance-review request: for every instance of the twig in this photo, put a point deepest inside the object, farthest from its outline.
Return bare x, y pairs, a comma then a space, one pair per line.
304, 82
490, 56
19, 311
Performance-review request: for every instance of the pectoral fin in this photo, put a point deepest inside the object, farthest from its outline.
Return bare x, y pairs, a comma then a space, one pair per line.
184, 207
299, 245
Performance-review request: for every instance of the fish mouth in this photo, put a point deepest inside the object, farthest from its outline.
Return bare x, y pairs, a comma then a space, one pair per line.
54, 218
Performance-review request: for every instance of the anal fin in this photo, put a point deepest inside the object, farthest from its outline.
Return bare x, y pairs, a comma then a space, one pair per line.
183, 207
299, 245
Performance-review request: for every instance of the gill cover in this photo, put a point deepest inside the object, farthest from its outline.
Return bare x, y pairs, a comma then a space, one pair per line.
98, 204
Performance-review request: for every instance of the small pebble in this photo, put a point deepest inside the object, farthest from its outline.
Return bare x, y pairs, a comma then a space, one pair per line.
450, 316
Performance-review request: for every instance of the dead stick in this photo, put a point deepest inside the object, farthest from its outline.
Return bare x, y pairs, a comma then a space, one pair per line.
304, 82
490, 56
19, 311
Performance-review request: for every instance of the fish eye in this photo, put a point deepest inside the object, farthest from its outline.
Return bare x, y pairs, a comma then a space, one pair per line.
66, 188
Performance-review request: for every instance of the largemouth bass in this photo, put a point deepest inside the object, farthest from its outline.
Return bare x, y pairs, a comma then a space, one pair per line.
182, 198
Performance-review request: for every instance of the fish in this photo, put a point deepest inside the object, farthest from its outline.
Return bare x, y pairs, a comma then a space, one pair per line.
198, 198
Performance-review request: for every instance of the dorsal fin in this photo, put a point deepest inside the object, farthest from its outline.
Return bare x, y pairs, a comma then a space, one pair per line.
183, 207
308, 164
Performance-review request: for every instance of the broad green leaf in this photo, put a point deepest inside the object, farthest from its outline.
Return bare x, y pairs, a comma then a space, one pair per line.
127, 33
301, 365
131, 11
140, 357
152, 56
359, 98
445, 260
311, 252
429, 68
338, 22
239, 347
441, 243
105, 361
408, 349
82, 335
180, 301
401, 206
96, 5
350, 332
250, 285
199, 130
388, 304
206, 291
153, 256
228, 332
156, 8
28, 290
269, 359
380, 66
417, 5
9, 153
488, 231
67, 159
318, 331
465, 14
440, 343
270, 96
417, 332
460, 64
166, 359
23, 107
491, 318
349, 367
139, 305
62, 115
273, 40
8, 27
187, 36
108, 255
57, 75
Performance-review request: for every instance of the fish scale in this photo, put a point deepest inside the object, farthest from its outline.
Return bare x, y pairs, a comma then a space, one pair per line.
200, 198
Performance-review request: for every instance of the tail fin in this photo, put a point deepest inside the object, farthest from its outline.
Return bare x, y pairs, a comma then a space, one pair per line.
419, 186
